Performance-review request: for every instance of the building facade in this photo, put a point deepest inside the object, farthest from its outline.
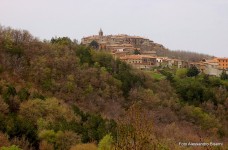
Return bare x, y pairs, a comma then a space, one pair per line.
222, 62
122, 41
143, 62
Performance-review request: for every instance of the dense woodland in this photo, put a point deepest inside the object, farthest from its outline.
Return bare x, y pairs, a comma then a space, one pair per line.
61, 95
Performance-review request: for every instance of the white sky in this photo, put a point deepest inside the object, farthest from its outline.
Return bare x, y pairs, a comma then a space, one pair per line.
194, 25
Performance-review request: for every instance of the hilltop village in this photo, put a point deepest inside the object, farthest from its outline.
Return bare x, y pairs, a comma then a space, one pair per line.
57, 94
141, 54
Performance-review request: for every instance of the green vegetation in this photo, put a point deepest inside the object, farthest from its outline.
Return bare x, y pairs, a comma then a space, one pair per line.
94, 45
192, 71
62, 41
156, 75
136, 52
106, 143
13, 147
224, 76
60, 95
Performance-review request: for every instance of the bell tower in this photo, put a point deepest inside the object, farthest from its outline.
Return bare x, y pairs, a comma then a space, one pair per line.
100, 32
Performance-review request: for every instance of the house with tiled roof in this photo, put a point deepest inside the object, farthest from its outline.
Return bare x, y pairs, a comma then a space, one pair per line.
212, 67
142, 62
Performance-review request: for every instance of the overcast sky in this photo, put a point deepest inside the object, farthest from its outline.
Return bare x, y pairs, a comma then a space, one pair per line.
194, 25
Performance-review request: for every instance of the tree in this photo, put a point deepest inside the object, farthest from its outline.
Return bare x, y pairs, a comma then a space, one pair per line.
169, 75
84, 54
60, 140
224, 75
9, 96
190, 90
4, 140
46, 112
22, 142
66, 139
193, 71
94, 44
61, 41
136, 52
3, 107
20, 127
104, 59
181, 73
135, 130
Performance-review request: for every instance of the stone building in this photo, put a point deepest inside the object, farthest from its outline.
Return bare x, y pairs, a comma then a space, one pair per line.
213, 67
143, 62
123, 42
222, 62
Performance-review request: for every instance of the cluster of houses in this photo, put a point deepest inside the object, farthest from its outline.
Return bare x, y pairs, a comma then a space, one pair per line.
122, 44
146, 62
124, 47
213, 67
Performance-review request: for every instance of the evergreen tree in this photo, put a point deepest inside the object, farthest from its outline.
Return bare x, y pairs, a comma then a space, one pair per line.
224, 75
136, 52
94, 44
193, 71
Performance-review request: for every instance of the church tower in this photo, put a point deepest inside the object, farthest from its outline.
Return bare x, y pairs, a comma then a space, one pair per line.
100, 33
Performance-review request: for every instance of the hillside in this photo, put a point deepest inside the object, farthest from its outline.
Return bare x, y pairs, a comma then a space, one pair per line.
180, 54
60, 95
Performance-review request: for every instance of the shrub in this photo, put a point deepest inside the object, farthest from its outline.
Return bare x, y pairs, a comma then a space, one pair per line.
106, 143
13, 147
